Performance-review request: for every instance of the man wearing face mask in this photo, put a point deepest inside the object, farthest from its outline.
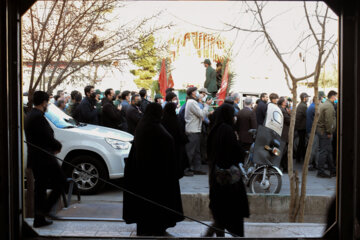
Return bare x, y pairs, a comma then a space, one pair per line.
204, 129
159, 99
171, 97
111, 115
134, 114
194, 117
45, 167
87, 108
202, 99
325, 128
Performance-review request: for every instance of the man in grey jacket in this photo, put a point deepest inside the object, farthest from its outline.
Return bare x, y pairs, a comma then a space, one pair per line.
325, 129
194, 117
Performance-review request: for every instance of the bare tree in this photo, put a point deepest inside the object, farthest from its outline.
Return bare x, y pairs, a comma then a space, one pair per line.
325, 46
61, 37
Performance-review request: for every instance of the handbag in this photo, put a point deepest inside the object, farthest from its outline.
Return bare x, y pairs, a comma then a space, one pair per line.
227, 176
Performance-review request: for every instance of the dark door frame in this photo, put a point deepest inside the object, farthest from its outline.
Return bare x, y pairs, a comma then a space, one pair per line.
11, 174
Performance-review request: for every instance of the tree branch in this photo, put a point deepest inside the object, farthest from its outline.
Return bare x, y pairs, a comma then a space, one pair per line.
310, 25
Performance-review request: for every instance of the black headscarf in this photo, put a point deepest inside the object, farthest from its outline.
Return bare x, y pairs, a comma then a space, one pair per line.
224, 114
171, 123
169, 110
153, 113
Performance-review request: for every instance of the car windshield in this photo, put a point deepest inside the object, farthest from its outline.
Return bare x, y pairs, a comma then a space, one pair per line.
59, 118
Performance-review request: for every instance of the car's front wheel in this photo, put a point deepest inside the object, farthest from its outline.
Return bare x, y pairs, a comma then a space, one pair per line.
86, 173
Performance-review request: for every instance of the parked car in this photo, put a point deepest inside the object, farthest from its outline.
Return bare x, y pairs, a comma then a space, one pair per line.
95, 149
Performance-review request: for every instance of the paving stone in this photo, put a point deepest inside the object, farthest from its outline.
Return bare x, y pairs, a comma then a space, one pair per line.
183, 229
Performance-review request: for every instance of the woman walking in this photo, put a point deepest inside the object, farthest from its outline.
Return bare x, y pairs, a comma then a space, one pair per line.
228, 199
172, 124
151, 172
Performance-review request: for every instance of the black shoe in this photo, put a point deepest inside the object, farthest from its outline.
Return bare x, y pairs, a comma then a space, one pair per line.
209, 233
323, 175
166, 234
188, 173
199, 173
312, 168
42, 223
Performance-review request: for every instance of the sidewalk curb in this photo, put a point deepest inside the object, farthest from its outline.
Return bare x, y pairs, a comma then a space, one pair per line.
263, 208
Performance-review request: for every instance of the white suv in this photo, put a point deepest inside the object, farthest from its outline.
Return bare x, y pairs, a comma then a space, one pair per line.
95, 149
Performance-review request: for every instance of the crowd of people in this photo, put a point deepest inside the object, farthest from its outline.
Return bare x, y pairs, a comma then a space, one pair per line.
173, 141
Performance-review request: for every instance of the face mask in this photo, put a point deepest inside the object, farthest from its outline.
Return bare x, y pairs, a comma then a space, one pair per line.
175, 102
138, 103
161, 101
197, 94
52, 100
113, 98
204, 99
323, 100
336, 101
212, 103
93, 95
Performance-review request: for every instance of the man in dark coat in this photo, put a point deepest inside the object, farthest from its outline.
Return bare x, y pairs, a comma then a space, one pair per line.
46, 169
228, 203
282, 103
75, 110
261, 109
133, 113
87, 108
246, 120
111, 116
300, 126
151, 172
144, 101
210, 81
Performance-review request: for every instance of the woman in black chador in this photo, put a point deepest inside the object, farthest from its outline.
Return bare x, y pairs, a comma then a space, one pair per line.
172, 125
151, 172
228, 199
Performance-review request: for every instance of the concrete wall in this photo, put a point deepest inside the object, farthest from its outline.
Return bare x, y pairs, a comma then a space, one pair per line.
263, 208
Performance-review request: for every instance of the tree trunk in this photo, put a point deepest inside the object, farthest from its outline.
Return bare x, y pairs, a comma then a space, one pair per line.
308, 154
30, 98
293, 178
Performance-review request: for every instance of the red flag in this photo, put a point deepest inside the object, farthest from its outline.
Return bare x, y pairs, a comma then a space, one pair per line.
170, 82
224, 85
162, 79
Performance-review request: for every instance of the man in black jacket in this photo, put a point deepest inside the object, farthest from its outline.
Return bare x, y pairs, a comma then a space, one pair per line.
133, 113
246, 120
112, 116
261, 109
87, 108
46, 169
300, 126
144, 101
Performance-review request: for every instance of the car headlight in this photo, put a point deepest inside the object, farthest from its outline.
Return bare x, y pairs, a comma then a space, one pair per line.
117, 144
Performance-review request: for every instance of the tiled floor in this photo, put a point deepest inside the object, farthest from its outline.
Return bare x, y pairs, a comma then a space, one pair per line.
183, 229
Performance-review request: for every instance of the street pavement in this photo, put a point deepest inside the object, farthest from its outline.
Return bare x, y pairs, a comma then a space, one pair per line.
199, 184
105, 211
181, 230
